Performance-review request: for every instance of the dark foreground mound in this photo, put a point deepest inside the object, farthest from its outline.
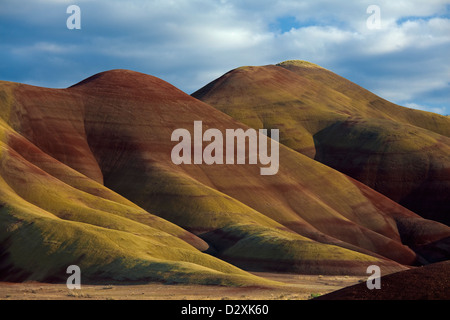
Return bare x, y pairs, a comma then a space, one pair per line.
431, 282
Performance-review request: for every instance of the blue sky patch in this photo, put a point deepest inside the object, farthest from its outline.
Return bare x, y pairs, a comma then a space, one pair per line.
190, 43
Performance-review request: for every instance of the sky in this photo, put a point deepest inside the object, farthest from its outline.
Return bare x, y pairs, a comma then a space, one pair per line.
189, 43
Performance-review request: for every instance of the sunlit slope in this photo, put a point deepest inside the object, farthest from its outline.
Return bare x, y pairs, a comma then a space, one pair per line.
114, 129
368, 104
53, 216
315, 109
129, 130
47, 225
305, 196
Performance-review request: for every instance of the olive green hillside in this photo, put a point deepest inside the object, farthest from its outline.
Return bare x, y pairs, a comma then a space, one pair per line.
94, 162
53, 216
47, 225
400, 152
370, 105
134, 153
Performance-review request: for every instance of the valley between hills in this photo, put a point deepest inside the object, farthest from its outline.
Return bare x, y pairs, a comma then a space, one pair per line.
86, 179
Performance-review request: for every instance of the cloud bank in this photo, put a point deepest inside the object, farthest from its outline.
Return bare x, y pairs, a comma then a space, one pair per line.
189, 43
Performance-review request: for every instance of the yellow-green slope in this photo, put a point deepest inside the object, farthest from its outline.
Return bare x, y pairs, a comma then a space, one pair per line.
60, 146
47, 225
342, 125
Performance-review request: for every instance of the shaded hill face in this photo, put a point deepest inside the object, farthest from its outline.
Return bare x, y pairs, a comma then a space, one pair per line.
400, 152
87, 179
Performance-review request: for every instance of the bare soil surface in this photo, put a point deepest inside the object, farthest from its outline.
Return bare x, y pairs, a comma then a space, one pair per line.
297, 287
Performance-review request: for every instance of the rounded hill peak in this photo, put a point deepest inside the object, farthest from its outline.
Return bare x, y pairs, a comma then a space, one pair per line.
128, 83
298, 63
118, 76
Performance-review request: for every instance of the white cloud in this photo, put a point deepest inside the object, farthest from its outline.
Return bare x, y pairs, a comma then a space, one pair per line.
44, 47
188, 42
412, 105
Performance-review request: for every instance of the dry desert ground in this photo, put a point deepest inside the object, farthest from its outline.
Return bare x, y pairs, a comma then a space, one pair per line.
297, 287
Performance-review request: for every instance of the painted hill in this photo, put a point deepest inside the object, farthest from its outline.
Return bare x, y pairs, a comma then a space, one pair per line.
87, 179
53, 216
400, 152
